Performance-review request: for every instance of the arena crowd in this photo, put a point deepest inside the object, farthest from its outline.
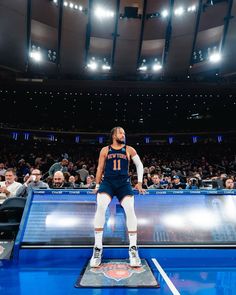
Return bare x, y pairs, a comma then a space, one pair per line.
24, 167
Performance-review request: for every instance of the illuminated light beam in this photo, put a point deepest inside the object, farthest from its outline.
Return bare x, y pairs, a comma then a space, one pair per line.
179, 11
35, 55
215, 57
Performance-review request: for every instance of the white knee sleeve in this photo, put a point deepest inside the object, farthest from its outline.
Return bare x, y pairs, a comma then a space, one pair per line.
131, 220
103, 200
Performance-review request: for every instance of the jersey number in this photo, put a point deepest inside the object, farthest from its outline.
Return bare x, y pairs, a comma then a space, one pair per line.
116, 165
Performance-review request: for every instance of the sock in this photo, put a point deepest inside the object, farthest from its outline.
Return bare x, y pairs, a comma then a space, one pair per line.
98, 239
132, 239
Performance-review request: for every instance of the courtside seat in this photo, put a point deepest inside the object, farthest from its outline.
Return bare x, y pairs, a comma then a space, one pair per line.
11, 212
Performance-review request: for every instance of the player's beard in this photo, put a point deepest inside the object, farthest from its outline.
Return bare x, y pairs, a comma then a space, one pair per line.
120, 141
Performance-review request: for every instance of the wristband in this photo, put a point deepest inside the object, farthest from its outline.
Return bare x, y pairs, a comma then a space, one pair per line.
97, 186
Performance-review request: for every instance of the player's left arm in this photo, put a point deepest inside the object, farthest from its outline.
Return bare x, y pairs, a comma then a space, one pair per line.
139, 167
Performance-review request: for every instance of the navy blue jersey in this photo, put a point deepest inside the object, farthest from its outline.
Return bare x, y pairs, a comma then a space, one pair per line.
117, 163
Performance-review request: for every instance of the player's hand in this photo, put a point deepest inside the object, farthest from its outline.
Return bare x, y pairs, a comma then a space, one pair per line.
138, 186
95, 190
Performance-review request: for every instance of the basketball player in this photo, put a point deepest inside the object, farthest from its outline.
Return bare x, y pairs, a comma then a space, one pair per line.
114, 163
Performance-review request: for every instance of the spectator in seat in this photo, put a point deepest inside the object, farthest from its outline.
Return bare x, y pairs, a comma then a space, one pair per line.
67, 176
177, 184
90, 182
72, 168
192, 183
59, 166
9, 187
72, 182
229, 183
58, 181
2, 169
145, 182
156, 182
32, 182
83, 173
218, 182
23, 169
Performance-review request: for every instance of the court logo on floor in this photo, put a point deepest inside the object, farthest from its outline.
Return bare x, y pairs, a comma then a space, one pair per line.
117, 270
117, 273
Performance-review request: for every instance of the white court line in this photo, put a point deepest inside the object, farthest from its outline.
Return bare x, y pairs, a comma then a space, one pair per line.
166, 278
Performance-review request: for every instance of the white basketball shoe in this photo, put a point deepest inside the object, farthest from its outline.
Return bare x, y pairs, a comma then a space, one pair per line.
134, 259
96, 259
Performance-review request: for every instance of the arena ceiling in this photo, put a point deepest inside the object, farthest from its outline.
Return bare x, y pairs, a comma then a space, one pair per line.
121, 39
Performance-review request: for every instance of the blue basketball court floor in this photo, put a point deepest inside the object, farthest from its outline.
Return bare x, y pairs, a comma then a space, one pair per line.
179, 271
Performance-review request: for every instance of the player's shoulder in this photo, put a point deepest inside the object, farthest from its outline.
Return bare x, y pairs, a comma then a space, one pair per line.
131, 150
104, 150
129, 147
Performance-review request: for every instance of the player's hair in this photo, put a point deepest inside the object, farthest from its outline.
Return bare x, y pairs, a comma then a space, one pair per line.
113, 131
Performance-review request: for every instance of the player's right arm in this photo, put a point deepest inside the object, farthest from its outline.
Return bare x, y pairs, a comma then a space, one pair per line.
101, 165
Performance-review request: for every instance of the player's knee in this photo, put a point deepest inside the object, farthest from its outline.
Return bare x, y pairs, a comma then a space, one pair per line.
103, 200
128, 204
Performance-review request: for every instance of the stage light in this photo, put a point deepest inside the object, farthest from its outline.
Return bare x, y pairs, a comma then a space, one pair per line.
215, 57
156, 67
71, 5
55, 1
143, 68
65, 3
36, 55
165, 13
52, 55
111, 14
92, 66
103, 13
106, 67
80, 8
179, 11
192, 8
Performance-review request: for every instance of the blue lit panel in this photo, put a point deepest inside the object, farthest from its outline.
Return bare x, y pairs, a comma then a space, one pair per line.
164, 218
